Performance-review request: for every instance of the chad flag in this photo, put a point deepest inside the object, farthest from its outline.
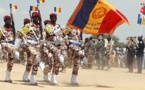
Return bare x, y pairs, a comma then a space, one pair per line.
14, 6
96, 17
40, 1
33, 8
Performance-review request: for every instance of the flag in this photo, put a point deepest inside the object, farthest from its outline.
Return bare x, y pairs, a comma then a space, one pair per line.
139, 20
14, 6
57, 9
96, 17
33, 8
143, 20
40, 1
142, 10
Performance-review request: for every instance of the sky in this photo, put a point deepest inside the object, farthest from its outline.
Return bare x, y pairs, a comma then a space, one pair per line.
130, 8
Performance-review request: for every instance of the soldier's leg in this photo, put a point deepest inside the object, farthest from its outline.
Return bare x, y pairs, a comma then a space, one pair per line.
36, 57
90, 60
47, 69
55, 72
21, 56
10, 63
70, 58
75, 71
109, 63
64, 64
28, 68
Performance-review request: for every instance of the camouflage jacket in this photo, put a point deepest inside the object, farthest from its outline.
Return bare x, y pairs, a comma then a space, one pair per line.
49, 29
6, 35
31, 31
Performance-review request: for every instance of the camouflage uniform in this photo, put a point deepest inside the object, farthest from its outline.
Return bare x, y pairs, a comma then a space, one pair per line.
50, 30
100, 49
109, 48
7, 43
31, 33
78, 55
21, 51
91, 52
71, 36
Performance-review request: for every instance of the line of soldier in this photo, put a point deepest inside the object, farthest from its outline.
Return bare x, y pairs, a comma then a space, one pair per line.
104, 53
49, 53
100, 51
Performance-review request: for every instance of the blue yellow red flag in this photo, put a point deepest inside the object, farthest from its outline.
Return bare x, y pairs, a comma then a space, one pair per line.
40, 1
96, 17
14, 6
57, 9
33, 8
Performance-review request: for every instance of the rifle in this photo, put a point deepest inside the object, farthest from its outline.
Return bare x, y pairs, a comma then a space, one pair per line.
40, 24
13, 24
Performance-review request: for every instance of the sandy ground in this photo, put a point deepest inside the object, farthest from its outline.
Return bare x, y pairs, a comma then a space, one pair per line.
89, 79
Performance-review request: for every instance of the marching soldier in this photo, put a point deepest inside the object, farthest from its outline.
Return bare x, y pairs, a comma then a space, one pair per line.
50, 29
91, 51
100, 49
21, 51
7, 42
31, 33
140, 54
109, 49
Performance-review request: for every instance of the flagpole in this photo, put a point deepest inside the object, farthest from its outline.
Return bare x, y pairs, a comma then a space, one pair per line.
141, 31
40, 22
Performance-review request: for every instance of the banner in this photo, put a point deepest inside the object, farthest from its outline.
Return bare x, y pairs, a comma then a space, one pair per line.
96, 17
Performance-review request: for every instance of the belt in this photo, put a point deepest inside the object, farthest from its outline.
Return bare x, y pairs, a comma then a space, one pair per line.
10, 42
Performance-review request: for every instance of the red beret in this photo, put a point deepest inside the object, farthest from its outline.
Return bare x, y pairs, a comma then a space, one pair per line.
47, 21
35, 14
53, 14
7, 17
27, 20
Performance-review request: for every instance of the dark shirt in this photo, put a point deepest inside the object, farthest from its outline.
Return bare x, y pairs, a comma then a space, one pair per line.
140, 49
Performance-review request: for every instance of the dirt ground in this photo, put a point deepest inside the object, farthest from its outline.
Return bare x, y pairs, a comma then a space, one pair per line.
89, 79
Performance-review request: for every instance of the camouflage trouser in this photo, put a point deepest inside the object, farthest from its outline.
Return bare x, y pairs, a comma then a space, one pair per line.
3, 55
101, 60
21, 55
76, 62
56, 66
9, 48
47, 60
109, 61
33, 56
70, 60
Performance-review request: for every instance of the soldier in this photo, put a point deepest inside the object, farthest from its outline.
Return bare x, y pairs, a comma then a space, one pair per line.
50, 29
78, 55
7, 42
140, 54
130, 48
31, 33
109, 53
91, 51
21, 51
100, 48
